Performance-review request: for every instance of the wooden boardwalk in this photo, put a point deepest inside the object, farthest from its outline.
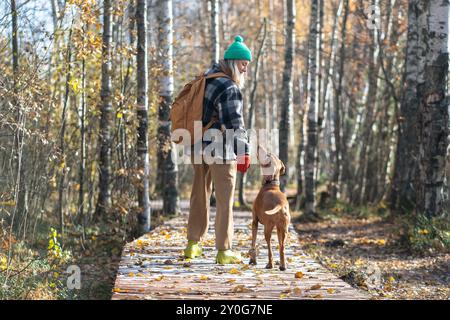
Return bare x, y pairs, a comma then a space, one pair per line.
153, 267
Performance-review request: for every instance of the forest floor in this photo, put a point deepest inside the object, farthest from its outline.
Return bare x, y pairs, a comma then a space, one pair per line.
367, 253
100, 262
365, 250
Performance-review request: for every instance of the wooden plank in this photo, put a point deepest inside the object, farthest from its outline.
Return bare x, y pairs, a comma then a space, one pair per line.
153, 267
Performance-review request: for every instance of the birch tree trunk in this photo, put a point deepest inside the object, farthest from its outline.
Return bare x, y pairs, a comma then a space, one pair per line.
252, 102
104, 197
62, 146
337, 106
82, 165
433, 106
215, 38
287, 92
311, 147
402, 195
299, 200
274, 80
320, 89
20, 189
166, 148
144, 216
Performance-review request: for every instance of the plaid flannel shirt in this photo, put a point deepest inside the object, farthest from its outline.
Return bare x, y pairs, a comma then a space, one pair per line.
223, 100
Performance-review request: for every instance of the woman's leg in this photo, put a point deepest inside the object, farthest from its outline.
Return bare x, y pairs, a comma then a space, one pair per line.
224, 177
199, 204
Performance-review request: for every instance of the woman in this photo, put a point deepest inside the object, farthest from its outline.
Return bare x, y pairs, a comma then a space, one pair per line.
223, 101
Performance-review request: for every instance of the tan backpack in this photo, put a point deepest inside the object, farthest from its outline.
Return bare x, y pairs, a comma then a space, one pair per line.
188, 107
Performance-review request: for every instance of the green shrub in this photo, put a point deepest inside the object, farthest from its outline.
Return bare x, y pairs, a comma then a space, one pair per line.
425, 234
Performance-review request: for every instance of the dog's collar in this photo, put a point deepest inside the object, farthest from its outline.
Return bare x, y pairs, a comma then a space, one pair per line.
275, 182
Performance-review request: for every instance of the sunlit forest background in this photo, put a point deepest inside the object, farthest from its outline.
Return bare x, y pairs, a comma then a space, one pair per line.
339, 82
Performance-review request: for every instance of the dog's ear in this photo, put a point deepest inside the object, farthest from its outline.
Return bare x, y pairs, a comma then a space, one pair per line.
283, 169
263, 157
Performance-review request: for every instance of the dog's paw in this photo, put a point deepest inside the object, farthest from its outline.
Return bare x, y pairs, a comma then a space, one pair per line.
253, 262
282, 268
269, 266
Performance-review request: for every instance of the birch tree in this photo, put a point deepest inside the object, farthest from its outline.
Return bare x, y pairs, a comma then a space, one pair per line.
215, 38
311, 148
336, 105
142, 114
402, 192
104, 196
433, 106
166, 148
287, 92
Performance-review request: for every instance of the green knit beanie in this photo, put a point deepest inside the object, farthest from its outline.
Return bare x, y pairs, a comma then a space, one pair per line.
238, 50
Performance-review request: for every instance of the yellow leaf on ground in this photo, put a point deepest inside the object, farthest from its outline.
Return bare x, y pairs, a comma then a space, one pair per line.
299, 274
231, 280
330, 290
234, 271
203, 277
131, 274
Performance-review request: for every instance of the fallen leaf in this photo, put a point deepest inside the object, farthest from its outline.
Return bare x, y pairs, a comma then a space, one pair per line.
330, 290
234, 271
315, 287
241, 288
299, 274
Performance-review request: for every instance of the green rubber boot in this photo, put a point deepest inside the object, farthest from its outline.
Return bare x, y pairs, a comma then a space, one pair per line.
228, 257
192, 250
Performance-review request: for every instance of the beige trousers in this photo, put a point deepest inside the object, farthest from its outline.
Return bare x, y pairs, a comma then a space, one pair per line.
224, 178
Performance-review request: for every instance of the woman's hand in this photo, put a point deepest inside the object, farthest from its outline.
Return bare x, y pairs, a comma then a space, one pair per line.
243, 163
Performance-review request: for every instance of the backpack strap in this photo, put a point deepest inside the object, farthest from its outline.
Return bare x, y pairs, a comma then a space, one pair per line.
217, 75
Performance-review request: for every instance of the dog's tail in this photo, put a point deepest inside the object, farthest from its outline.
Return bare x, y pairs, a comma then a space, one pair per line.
277, 208
274, 210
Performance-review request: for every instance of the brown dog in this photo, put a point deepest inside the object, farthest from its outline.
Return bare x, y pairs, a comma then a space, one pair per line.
271, 207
